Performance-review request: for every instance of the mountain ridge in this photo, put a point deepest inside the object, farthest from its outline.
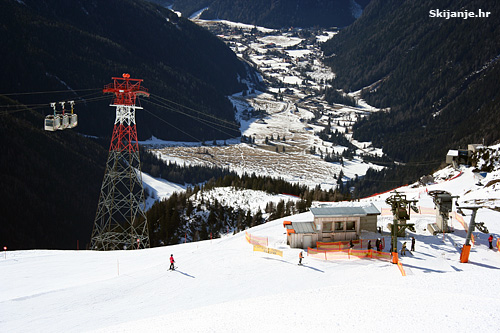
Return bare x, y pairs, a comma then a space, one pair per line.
437, 78
276, 14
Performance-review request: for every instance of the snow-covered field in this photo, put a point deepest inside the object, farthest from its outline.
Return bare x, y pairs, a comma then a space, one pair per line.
223, 286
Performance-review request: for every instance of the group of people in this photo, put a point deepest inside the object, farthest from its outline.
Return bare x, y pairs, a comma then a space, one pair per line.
403, 249
379, 245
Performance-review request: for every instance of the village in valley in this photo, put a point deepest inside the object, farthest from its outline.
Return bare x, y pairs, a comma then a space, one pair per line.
289, 129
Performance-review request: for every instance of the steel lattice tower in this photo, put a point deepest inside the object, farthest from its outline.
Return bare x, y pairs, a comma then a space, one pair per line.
120, 220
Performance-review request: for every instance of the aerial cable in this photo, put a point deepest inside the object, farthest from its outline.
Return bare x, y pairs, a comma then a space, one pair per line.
404, 163
14, 108
191, 109
205, 121
49, 92
196, 117
154, 115
200, 120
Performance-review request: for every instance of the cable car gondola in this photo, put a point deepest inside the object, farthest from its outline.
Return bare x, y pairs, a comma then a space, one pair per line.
52, 123
73, 118
62, 121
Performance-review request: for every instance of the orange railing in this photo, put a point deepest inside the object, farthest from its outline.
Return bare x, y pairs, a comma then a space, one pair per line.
347, 254
256, 240
341, 245
461, 220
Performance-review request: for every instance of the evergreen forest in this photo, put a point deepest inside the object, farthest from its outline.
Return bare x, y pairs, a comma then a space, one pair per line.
69, 49
276, 14
435, 79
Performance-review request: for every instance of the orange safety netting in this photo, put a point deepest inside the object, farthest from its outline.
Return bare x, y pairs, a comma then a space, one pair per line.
358, 244
347, 254
256, 240
461, 220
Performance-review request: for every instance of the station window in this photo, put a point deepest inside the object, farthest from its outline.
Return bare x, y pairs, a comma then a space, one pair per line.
327, 226
350, 226
339, 226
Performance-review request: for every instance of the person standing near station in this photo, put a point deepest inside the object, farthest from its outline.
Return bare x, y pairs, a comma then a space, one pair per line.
403, 249
490, 239
301, 256
172, 261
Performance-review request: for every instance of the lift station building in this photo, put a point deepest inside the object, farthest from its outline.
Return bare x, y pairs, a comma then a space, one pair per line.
332, 224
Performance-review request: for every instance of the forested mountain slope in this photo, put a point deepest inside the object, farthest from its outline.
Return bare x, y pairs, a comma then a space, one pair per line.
51, 180
80, 44
438, 76
50, 183
277, 14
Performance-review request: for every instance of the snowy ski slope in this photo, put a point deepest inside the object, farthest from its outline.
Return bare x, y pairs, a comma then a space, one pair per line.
222, 285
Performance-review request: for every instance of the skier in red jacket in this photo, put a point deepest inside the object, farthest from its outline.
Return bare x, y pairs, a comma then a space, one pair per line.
490, 239
172, 262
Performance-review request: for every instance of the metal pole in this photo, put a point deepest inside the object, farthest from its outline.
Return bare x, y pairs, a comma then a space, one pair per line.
472, 224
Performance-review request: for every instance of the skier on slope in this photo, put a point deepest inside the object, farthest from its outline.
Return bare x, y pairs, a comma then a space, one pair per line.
172, 262
300, 258
490, 239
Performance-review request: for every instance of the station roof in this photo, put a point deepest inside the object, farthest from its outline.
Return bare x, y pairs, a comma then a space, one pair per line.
345, 211
302, 227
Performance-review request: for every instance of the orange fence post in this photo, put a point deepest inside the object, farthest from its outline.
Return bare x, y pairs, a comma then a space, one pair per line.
395, 258
464, 256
